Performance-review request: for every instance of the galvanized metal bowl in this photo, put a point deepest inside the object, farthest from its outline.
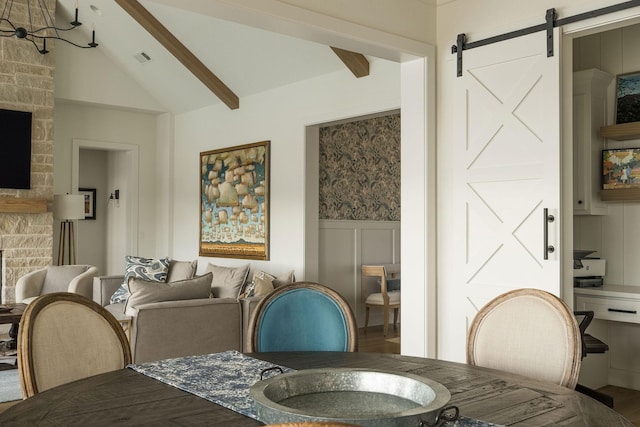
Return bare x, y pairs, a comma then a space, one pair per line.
350, 395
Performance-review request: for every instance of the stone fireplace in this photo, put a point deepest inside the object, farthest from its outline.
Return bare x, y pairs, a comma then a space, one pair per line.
26, 224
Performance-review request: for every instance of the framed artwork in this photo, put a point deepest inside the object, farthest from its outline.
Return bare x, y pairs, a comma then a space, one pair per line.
621, 168
234, 202
89, 202
628, 97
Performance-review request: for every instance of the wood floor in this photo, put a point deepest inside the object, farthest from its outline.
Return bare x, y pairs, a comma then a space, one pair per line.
626, 401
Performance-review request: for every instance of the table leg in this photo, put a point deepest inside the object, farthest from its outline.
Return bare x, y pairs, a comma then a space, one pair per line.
12, 344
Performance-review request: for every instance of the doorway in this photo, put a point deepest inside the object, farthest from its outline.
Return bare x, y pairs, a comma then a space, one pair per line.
119, 222
353, 201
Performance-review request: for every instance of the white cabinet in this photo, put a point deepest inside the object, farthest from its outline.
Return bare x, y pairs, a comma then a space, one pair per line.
589, 114
610, 302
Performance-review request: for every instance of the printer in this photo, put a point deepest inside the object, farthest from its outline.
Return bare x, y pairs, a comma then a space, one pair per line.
587, 271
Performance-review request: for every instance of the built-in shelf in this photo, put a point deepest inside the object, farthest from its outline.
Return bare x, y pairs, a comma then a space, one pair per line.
22, 205
621, 132
620, 195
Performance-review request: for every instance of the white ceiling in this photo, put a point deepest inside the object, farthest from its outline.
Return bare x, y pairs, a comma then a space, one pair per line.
248, 60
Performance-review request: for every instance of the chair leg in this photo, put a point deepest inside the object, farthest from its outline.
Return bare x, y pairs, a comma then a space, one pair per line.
386, 321
600, 397
395, 316
366, 319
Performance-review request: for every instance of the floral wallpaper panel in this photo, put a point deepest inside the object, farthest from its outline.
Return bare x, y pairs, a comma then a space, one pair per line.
360, 170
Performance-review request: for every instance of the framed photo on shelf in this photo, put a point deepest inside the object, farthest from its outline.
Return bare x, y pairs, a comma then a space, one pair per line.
628, 97
621, 168
234, 202
89, 202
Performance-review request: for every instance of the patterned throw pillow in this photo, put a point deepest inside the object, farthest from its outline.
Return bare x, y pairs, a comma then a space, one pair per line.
154, 270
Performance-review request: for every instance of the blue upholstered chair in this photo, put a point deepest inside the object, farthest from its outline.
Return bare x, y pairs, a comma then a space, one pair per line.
303, 316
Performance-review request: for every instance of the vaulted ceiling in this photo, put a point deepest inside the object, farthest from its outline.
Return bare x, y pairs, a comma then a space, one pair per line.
193, 49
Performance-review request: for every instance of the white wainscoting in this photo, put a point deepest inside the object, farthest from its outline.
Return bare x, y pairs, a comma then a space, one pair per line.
344, 246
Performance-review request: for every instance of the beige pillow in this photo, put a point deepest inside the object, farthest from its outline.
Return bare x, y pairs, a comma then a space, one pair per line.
227, 281
262, 283
181, 270
285, 279
144, 291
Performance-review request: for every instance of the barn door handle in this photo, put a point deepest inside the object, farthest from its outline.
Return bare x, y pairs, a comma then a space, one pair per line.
548, 249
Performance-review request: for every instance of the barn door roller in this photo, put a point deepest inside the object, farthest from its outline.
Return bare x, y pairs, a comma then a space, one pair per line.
551, 21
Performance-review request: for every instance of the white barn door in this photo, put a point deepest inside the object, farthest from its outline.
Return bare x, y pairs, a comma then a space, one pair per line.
506, 172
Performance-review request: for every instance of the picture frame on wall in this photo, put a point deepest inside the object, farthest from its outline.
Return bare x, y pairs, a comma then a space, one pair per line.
234, 201
89, 202
621, 168
628, 97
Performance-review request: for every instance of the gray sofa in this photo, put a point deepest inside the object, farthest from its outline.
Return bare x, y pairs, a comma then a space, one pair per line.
168, 329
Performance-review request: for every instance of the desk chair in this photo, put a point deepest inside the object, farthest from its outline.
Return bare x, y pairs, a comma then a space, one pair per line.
64, 337
302, 316
591, 345
385, 299
528, 332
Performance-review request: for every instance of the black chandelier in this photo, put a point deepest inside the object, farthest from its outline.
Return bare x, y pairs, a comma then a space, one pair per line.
39, 12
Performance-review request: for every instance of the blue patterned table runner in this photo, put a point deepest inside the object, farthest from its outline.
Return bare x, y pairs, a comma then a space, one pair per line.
225, 379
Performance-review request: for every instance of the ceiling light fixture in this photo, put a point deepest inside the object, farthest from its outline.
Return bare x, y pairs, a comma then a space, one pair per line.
37, 13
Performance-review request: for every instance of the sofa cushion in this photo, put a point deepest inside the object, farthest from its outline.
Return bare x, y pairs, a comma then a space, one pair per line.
262, 285
144, 268
227, 281
180, 270
144, 291
284, 279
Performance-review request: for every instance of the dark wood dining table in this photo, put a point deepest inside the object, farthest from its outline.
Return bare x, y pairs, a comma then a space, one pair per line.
126, 397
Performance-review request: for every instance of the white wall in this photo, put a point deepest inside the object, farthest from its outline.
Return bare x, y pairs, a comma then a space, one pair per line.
280, 116
614, 236
110, 126
93, 174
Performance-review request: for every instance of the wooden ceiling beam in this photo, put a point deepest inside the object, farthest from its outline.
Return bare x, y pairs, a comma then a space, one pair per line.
356, 62
180, 52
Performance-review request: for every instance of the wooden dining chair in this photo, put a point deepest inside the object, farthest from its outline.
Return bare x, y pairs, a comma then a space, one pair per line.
312, 424
303, 316
385, 299
528, 332
64, 337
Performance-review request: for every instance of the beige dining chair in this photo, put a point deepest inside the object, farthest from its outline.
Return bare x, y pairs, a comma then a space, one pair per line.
528, 332
302, 316
64, 337
384, 299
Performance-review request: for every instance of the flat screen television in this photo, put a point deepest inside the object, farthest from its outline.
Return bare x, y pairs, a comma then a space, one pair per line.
15, 149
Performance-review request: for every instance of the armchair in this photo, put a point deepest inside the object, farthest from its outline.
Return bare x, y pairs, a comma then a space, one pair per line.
76, 279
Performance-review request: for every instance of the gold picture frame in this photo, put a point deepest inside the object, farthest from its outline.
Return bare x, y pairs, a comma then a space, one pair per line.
234, 202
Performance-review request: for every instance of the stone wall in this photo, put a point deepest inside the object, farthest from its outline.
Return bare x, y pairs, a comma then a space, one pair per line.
26, 84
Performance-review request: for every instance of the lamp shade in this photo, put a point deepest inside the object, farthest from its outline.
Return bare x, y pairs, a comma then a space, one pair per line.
68, 206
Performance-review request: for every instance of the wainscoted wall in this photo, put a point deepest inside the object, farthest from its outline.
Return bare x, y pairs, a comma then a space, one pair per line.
359, 204
26, 84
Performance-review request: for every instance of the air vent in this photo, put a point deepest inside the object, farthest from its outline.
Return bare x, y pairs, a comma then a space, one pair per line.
142, 57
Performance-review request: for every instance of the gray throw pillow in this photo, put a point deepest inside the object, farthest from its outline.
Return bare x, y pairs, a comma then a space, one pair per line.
227, 281
180, 270
144, 291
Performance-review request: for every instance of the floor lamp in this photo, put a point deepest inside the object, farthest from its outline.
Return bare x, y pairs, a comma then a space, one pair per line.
67, 208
